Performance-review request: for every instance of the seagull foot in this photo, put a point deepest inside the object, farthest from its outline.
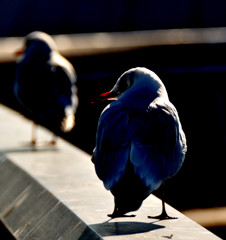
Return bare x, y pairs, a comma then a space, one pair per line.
162, 216
116, 213
120, 215
33, 143
53, 143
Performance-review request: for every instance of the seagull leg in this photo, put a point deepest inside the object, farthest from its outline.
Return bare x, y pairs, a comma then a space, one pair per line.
163, 215
34, 141
53, 142
117, 213
33, 134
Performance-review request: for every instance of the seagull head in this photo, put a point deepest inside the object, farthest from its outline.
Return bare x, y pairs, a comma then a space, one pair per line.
38, 45
137, 84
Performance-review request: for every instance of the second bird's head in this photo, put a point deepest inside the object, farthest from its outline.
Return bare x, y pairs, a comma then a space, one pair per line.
38, 45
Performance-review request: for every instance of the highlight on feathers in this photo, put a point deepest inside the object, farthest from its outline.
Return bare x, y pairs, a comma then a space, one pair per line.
139, 141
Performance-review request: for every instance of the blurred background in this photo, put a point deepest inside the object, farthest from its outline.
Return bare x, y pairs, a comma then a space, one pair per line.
182, 41
19, 17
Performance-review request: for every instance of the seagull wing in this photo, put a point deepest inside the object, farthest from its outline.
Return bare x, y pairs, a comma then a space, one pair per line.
113, 139
158, 150
64, 77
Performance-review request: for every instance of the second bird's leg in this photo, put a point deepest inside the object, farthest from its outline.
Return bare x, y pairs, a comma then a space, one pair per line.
34, 141
33, 134
53, 142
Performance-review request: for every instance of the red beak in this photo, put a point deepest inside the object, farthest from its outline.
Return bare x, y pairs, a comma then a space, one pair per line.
106, 96
19, 52
103, 95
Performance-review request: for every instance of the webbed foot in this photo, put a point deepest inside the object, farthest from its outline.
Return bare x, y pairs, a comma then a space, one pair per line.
117, 213
163, 215
120, 215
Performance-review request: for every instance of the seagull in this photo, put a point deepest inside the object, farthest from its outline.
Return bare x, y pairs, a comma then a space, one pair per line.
139, 141
45, 83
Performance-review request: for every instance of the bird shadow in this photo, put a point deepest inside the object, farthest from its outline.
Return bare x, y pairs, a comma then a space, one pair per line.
124, 228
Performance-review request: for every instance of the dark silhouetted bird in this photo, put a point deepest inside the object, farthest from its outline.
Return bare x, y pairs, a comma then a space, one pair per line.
45, 83
139, 141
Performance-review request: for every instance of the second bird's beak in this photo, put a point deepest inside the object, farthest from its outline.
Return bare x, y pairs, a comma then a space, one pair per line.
19, 52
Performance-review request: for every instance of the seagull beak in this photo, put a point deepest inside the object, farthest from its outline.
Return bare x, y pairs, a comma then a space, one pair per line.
19, 52
106, 96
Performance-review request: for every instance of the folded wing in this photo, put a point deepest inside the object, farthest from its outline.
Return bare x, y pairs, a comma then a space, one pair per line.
158, 151
113, 138
153, 141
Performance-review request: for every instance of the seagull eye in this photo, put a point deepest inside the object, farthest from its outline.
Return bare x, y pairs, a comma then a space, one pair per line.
28, 43
124, 84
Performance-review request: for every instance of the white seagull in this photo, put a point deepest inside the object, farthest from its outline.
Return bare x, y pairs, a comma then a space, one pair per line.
139, 142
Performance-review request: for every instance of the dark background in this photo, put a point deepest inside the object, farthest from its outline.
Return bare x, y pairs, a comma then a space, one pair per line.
19, 17
197, 91
194, 75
